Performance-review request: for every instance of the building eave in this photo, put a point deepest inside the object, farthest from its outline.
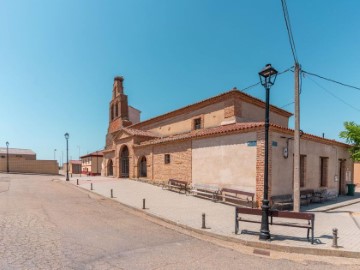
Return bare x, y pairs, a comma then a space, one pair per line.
219, 98
237, 128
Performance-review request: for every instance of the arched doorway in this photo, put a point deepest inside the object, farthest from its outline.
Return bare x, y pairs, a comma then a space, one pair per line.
110, 168
124, 159
142, 167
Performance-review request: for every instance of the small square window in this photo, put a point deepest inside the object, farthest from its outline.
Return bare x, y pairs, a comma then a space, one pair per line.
197, 123
167, 158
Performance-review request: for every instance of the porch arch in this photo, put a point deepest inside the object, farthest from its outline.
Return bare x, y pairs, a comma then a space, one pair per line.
142, 167
110, 168
124, 162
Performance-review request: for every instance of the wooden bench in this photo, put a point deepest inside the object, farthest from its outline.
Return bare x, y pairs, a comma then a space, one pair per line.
205, 191
306, 196
319, 196
281, 202
331, 195
280, 218
235, 196
176, 184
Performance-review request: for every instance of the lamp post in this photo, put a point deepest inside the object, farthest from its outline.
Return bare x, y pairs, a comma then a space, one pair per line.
54, 154
97, 163
67, 155
267, 79
7, 157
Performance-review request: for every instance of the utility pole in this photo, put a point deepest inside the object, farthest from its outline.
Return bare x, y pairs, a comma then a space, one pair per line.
297, 141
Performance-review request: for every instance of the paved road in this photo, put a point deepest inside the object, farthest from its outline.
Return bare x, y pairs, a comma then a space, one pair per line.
48, 224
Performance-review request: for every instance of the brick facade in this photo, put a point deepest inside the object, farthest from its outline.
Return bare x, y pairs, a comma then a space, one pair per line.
180, 161
232, 108
232, 113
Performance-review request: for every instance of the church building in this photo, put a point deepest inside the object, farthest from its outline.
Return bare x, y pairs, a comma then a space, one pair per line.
219, 140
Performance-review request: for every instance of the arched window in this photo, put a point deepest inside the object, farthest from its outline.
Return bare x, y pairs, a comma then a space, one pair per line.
112, 112
116, 110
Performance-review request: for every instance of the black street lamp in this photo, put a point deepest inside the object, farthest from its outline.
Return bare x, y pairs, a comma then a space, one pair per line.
67, 156
97, 163
267, 79
7, 157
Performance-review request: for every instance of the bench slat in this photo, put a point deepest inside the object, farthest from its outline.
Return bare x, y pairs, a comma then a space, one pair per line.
310, 217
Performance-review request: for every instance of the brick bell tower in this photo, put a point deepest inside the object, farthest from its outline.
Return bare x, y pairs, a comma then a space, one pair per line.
118, 109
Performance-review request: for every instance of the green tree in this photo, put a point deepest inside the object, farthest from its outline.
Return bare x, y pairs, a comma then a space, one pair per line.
352, 136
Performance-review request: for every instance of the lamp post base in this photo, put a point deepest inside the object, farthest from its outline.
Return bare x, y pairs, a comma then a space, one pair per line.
264, 231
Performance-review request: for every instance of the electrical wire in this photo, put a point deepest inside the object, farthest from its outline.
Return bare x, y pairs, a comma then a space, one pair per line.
288, 28
335, 96
255, 84
331, 80
287, 105
249, 87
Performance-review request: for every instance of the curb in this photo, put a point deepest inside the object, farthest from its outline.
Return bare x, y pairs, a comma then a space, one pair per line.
253, 244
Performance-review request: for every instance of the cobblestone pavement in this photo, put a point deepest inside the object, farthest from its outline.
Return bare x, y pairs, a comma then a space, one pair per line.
48, 224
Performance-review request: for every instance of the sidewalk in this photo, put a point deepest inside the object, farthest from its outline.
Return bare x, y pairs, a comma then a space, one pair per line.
343, 214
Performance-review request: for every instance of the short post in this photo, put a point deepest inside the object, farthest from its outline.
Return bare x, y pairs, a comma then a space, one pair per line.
91, 186
77, 182
111, 193
203, 226
335, 238
144, 204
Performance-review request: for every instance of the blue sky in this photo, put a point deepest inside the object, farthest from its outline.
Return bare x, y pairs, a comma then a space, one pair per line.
58, 60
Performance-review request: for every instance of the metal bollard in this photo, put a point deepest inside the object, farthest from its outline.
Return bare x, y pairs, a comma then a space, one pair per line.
203, 226
335, 238
91, 186
112, 194
144, 204
77, 182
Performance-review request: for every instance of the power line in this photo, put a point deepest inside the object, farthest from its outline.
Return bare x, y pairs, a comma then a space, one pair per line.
335, 96
331, 80
288, 28
255, 84
286, 70
282, 107
249, 87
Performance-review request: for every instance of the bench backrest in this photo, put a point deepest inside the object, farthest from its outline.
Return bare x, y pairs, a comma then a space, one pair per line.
177, 182
236, 191
276, 198
306, 191
206, 187
295, 215
248, 211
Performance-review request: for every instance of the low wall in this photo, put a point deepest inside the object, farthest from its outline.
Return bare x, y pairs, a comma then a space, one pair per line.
30, 166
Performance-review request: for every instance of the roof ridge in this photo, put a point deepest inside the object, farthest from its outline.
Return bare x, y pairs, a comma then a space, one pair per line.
230, 92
